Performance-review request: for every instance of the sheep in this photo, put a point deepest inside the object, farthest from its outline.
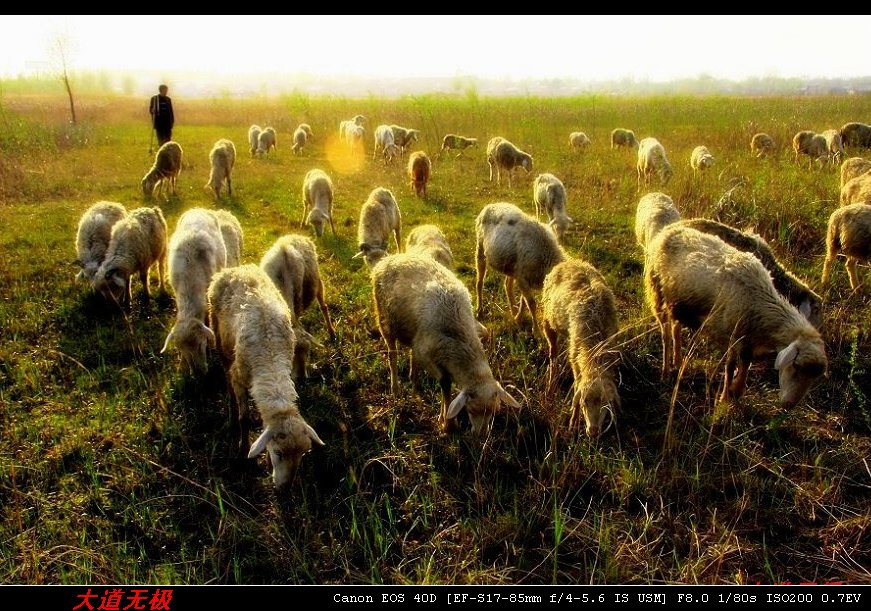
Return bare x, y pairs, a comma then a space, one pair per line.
761, 144
853, 167
856, 134
93, 234
299, 140
404, 136
421, 304
253, 138
222, 158
857, 190
655, 211
384, 142
461, 143
254, 331
549, 195
430, 241
354, 138
166, 168
808, 303
623, 137
503, 155
233, 236
138, 242
517, 245
292, 264
307, 129
196, 253
266, 141
651, 158
701, 159
834, 145
577, 304
697, 280
811, 144
419, 170
849, 232
579, 141
317, 196
344, 126
378, 217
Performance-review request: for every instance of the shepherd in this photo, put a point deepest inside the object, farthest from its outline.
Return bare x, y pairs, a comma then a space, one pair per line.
162, 118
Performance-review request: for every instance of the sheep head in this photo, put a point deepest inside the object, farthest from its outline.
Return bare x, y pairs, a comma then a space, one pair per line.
111, 284
287, 441
481, 402
594, 398
192, 338
798, 365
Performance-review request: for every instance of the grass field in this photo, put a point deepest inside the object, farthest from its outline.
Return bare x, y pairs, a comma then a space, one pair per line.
114, 466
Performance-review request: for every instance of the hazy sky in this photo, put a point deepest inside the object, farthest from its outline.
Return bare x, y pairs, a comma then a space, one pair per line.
585, 47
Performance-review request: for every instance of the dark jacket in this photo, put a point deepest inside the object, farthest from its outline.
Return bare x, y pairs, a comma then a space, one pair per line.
161, 112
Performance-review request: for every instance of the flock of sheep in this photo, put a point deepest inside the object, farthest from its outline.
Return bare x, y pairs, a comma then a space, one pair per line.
698, 273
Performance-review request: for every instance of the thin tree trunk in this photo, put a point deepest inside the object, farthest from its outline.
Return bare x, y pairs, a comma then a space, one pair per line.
70, 93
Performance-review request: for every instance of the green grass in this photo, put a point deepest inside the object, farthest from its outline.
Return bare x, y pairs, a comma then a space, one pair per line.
115, 467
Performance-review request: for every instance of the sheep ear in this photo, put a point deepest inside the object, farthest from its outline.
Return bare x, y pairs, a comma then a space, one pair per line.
786, 356
552, 222
80, 275
313, 435
260, 443
571, 220
210, 335
482, 331
457, 404
805, 308
359, 254
506, 398
169, 337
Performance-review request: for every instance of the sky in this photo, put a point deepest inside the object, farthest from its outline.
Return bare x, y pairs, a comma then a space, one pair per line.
596, 47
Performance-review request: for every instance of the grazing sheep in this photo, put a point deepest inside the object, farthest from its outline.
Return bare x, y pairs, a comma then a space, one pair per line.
811, 144
344, 126
857, 190
166, 168
834, 145
384, 142
196, 253
652, 159
299, 140
578, 304
503, 155
517, 245
856, 134
429, 240
404, 136
419, 170
421, 304
222, 158
317, 197
231, 231
253, 138
761, 145
266, 141
138, 241
701, 159
292, 264
354, 138
579, 141
623, 137
808, 303
849, 232
253, 325
549, 194
853, 167
461, 143
697, 280
307, 129
655, 211
93, 235
378, 217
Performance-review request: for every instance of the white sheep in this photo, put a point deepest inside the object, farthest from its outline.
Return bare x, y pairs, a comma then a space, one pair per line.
549, 195
354, 138
423, 305
655, 211
317, 196
701, 159
222, 158
93, 234
697, 280
856, 134
166, 168
811, 144
578, 305
344, 126
834, 145
849, 232
300, 137
429, 240
503, 155
379, 216
853, 167
253, 138
267, 141
579, 141
137, 243
253, 325
856, 190
652, 159
404, 136
761, 144
515, 244
233, 236
384, 143
461, 143
419, 171
196, 253
623, 137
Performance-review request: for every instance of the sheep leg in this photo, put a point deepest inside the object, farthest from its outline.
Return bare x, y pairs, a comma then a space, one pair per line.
391, 362
739, 383
304, 211
229, 186
143, 277
665, 330
490, 163
161, 271
396, 234
529, 300
676, 344
240, 393
552, 340
445, 384
851, 269
332, 224
827, 267
509, 293
480, 272
325, 310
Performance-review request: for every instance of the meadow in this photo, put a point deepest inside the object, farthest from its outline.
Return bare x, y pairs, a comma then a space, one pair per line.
115, 465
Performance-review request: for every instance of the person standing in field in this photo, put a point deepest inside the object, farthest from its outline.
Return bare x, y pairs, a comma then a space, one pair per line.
162, 118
